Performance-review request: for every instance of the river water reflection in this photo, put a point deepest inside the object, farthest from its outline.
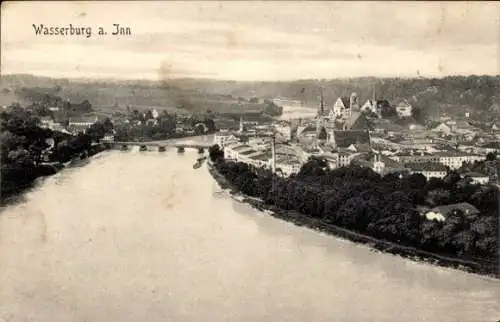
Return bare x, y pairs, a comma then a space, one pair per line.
143, 236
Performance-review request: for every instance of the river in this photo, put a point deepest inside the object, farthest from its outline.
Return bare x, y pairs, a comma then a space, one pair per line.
142, 236
293, 109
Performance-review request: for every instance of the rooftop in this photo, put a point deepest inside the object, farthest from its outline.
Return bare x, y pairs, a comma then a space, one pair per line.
241, 147
84, 119
428, 167
466, 207
474, 175
344, 139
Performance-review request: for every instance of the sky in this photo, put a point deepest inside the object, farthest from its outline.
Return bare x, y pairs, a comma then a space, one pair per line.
238, 40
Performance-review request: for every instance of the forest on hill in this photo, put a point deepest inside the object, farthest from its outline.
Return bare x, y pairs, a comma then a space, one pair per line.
453, 95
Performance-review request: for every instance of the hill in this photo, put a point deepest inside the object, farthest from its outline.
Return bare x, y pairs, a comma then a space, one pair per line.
453, 95
110, 96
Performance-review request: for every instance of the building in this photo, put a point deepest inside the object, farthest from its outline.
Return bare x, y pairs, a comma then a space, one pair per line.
386, 127
370, 106
344, 106
81, 124
443, 129
356, 121
477, 178
384, 165
308, 131
224, 138
428, 170
108, 138
344, 139
287, 164
422, 157
454, 160
284, 130
46, 122
440, 213
233, 151
404, 109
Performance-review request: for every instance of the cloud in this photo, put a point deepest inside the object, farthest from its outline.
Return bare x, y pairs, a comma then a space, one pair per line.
259, 40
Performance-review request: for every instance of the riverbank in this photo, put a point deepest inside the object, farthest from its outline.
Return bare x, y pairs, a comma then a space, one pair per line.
18, 180
376, 244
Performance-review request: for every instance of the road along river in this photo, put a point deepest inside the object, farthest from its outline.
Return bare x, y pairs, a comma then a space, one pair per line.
142, 236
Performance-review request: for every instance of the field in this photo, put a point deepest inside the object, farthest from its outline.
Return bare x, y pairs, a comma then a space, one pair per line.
107, 97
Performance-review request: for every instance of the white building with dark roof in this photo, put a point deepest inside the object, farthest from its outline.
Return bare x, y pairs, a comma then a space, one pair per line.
440, 213
477, 178
404, 109
428, 170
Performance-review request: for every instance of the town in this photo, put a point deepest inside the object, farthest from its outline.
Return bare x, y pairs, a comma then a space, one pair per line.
347, 132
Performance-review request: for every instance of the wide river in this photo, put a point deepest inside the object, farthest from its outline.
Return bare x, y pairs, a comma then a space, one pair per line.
142, 236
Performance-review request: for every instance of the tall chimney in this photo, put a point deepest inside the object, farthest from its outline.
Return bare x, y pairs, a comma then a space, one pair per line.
322, 106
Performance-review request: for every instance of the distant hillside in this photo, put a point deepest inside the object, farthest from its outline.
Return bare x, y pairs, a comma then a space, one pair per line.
454, 95
113, 95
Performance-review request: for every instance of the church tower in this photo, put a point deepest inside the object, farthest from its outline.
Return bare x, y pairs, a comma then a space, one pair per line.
353, 102
241, 125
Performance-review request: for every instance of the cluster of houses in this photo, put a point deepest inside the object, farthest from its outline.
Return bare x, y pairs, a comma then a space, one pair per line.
74, 126
343, 135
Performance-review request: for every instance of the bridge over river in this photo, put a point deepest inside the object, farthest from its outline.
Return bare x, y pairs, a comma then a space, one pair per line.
162, 145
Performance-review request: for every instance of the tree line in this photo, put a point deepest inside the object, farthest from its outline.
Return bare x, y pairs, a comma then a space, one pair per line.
25, 147
385, 207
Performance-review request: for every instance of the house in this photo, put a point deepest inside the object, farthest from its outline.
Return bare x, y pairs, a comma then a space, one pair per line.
404, 109
224, 138
454, 159
440, 213
370, 106
284, 130
386, 127
308, 131
428, 170
344, 106
288, 165
421, 157
343, 139
81, 124
477, 178
108, 138
46, 122
384, 165
263, 159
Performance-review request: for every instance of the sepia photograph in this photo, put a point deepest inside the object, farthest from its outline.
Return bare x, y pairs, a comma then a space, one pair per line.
230, 161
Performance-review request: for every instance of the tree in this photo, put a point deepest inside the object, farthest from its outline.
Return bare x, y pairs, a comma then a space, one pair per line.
215, 153
314, 167
491, 156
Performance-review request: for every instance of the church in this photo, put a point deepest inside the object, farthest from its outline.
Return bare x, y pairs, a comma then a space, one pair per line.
343, 120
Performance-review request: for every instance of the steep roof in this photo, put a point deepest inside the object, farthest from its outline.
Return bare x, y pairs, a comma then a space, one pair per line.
344, 139
356, 121
308, 130
346, 101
